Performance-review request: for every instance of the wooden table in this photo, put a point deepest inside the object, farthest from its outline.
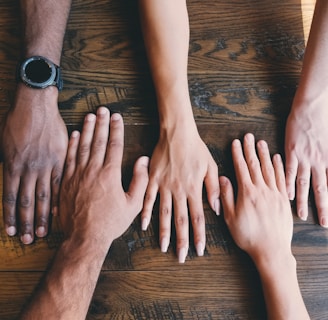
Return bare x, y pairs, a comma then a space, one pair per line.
244, 65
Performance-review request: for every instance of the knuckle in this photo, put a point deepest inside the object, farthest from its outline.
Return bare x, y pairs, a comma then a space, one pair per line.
302, 182
84, 150
9, 199
25, 201
198, 219
320, 189
42, 195
165, 212
181, 221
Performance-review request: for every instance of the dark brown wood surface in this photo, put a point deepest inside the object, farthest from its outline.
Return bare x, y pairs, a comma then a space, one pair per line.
244, 65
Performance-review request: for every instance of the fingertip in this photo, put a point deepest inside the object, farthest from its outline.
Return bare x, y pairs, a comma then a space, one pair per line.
144, 223
324, 221
11, 230
116, 117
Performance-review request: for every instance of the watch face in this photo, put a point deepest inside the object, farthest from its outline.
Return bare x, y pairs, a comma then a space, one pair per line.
38, 72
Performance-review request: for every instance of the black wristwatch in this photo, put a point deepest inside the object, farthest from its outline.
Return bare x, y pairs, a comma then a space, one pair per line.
39, 73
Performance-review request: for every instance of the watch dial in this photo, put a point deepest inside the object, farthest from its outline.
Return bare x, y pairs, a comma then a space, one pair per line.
38, 71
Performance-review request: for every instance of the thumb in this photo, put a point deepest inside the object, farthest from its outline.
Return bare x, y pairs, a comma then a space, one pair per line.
227, 198
139, 183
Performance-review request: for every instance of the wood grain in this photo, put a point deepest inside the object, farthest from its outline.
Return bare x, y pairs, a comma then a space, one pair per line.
245, 59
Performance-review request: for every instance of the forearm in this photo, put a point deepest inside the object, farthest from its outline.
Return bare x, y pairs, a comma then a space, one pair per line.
281, 289
44, 24
166, 34
68, 287
314, 78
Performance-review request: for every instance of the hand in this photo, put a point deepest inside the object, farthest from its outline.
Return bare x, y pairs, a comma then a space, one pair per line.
306, 151
180, 164
93, 204
261, 220
34, 148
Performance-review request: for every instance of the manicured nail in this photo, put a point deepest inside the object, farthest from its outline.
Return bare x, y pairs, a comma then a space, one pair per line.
144, 224
26, 238
324, 222
11, 231
200, 249
217, 206
182, 254
290, 195
164, 244
302, 215
40, 231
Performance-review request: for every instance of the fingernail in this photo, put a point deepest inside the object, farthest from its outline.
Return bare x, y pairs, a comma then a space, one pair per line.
40, 231
200, 249
302, 215
164, 244
290, 195
324, 222
116, 116
55, 211
144, 161
26, 238
102, 111
11, 231
182, 253
217, 206
144, 224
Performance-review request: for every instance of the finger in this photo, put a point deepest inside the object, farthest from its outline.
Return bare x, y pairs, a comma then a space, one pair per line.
279, 173
42, 206
197, 220
56, 177
319, 185
266, 163
138, 183
252, 160
241, 169
9, 198
114, 153
291, 172
71, 157
212, 187
150, 198
165, 216
302, 191
181, 225
86, 140
26, 202
227, 198
100, 138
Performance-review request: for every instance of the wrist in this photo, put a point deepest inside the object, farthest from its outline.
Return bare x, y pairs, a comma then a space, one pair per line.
271, 268
31, 98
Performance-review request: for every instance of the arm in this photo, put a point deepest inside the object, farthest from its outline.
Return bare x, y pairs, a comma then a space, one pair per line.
261, 223
35, 136
306, 131
94, 211
181, 162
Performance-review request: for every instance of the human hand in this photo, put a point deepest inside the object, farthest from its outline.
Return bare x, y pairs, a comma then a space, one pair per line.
93, 205
306, 151
261, 220
179, 166
34, 148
